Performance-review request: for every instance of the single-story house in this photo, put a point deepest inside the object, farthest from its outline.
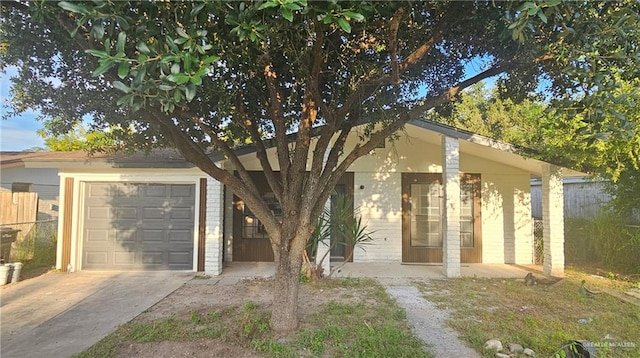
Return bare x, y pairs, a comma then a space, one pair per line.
434, 195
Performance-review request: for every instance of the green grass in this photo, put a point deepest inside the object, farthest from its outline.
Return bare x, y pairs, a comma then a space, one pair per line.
541, 317
366, 324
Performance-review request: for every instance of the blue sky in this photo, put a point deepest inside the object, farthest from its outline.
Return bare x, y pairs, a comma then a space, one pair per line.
18, 133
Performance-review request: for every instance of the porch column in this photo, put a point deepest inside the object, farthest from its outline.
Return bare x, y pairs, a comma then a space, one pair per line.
553, 220
451, 214
213, 231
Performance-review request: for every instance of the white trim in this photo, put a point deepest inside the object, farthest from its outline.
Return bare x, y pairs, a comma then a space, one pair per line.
61, 220
80, 181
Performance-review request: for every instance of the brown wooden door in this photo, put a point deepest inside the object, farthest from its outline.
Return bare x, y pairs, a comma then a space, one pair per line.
250, 240
422, 203
421, 217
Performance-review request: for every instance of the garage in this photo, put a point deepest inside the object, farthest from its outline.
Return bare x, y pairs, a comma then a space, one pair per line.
138, 226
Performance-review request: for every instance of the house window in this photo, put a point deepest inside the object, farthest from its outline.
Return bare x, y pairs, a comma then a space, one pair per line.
466, 214
20, 187
426, 213
252, 228
426, 226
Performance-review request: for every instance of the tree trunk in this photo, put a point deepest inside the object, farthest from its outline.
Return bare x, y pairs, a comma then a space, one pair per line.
284, 316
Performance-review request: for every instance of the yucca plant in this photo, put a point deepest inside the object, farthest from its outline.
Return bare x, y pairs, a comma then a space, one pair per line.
338, 219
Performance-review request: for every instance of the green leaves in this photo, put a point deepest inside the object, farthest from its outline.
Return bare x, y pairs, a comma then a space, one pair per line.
77, 8
123, 69
178, 78
121, 86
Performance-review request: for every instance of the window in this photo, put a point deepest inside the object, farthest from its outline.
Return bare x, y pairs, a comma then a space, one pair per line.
252, 228
426, 226
466, 214
20, 187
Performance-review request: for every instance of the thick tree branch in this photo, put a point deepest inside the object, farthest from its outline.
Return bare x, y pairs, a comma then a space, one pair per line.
393, 45
327, 131
261, 151
367, 88
276, 110
245, 188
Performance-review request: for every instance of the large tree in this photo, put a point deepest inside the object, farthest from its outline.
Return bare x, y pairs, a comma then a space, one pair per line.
204, 76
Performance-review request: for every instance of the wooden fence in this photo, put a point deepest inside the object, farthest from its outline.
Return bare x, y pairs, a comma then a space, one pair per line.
19, 209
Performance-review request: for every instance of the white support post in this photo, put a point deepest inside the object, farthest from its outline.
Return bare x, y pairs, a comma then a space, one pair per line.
451, 214
553, 220
214, 228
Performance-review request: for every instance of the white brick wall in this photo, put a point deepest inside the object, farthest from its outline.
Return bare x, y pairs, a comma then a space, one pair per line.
506, 209
506, 218
214, 229
451, 214
380, 208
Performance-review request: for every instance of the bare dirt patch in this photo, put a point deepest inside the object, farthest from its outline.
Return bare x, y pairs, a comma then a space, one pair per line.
221, 300
193, 349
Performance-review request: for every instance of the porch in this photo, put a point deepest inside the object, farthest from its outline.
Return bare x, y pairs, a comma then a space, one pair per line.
386, 270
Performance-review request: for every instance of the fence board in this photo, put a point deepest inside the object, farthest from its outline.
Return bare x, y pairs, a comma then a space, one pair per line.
19, 208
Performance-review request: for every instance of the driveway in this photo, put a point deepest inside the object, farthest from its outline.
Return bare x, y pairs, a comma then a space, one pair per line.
61, 314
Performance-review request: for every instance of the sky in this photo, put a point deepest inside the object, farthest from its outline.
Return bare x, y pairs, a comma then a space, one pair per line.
18, 133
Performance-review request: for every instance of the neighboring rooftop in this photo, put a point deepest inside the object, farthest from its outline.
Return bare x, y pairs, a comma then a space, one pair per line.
158, 158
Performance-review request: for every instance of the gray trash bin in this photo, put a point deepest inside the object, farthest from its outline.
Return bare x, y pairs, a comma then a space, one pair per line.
7, 237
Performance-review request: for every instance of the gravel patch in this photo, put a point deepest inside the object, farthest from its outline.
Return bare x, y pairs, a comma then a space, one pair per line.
428, 321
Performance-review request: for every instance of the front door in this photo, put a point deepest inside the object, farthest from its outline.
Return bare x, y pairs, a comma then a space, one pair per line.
422, 213
250, 240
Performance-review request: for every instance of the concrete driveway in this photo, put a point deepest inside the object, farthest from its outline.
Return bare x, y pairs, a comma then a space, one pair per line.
61, 314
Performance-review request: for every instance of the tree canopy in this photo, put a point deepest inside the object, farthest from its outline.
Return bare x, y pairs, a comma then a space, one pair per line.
204, 76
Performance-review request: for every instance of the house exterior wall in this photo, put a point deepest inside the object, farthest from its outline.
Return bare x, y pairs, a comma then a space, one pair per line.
506, 201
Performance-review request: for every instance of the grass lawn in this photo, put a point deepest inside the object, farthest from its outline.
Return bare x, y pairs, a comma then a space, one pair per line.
357, 319
540, 317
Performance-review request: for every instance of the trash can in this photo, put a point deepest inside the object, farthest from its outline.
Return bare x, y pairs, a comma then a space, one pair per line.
15, 274
7, 237
4, 274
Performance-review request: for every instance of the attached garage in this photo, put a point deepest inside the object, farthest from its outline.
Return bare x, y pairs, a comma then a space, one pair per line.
138, 226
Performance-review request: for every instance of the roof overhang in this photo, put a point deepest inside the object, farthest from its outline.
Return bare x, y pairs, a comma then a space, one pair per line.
487, 148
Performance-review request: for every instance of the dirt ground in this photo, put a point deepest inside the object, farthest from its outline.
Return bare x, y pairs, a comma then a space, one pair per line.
203, 295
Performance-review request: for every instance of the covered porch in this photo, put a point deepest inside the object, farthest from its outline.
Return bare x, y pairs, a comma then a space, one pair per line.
385, 270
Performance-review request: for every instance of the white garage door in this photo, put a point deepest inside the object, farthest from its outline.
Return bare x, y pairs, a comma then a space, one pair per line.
138, 226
